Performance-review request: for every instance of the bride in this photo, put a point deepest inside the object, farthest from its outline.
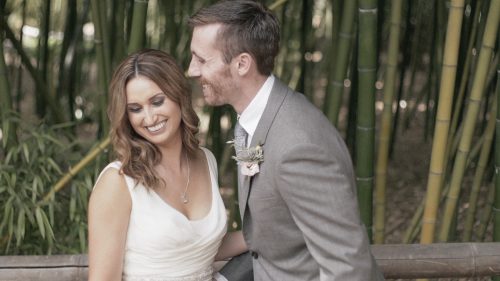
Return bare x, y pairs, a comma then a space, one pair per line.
156, 213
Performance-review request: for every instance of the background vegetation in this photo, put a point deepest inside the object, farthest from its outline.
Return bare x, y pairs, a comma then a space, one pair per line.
373, 67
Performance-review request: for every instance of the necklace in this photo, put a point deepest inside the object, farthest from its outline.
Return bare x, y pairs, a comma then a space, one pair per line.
184, 196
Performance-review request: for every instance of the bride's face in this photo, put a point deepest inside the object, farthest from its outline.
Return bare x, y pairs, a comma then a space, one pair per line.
151, 113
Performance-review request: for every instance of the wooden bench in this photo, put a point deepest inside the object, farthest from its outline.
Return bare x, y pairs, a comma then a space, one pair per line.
445, 260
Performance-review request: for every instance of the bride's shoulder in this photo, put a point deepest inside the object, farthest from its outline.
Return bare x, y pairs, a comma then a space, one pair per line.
208, 155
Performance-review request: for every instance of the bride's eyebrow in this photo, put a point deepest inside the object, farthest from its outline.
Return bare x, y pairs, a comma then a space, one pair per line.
160, 94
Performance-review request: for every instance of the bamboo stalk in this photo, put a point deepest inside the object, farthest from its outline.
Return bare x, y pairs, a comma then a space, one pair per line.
478, 177
101, 64
8, 130
414, 53
104, 29
496, 204
42, 64
342, 61
41, 86
61, 183
137, 34
435, 177
386, 121
365, 129
478, 86
330, 55
118, 34
465, 72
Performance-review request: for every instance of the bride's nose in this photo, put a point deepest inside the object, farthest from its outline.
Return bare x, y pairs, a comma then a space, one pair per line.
149, 117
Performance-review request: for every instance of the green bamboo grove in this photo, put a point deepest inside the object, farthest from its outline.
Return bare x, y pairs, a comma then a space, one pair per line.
383, 72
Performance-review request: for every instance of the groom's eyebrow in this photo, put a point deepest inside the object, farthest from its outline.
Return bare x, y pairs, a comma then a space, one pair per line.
198, 56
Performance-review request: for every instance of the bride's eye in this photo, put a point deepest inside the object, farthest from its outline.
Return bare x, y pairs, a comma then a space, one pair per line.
158, 101
133, 109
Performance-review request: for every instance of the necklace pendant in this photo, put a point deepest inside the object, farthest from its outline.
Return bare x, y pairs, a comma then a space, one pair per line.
184, 198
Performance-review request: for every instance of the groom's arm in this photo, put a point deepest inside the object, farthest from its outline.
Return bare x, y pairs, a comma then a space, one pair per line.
318, 188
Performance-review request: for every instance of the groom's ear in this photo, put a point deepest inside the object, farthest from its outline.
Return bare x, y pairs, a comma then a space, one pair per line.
244, 62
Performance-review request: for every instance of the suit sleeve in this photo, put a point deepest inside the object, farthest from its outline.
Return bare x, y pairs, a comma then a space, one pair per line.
318, 188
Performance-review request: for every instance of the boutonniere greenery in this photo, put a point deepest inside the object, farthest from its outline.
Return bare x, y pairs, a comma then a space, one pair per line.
248, 158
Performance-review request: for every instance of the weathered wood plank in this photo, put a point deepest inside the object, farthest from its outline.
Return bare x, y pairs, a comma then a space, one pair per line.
438, 260
444, 260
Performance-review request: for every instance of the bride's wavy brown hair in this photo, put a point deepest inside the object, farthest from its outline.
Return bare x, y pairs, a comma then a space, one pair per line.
139, 156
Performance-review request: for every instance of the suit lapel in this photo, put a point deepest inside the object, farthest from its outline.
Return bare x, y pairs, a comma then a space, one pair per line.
278, 94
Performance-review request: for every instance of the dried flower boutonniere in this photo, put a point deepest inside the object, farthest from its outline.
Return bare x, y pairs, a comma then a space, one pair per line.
248, 158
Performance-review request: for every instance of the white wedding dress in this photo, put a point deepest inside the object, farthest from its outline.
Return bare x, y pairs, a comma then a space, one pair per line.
163, 244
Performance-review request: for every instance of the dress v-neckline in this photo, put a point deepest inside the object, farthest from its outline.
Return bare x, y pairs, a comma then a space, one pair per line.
210, 172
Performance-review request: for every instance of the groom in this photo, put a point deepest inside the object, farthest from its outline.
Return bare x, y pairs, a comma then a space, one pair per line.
300, 216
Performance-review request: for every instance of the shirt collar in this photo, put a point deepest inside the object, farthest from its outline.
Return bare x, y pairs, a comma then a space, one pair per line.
250, 117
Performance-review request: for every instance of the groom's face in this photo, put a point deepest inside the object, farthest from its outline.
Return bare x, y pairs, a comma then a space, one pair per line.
209, 69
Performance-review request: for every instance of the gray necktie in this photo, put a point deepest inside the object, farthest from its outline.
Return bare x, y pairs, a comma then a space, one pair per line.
240, 137
240, 140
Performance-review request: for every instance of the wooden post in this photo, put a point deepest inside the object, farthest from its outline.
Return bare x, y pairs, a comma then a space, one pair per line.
440, 260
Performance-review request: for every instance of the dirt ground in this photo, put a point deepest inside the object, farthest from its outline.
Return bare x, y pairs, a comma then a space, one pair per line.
407, 181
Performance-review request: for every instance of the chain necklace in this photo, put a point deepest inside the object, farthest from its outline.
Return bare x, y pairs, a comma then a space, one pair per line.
184, 196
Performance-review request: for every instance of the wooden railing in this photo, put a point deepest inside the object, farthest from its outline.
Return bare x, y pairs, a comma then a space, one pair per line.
445, 260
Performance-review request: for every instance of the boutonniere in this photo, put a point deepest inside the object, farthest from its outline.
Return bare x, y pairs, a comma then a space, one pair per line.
248, 158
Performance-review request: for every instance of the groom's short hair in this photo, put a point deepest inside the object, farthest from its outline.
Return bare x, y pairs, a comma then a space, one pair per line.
247, 26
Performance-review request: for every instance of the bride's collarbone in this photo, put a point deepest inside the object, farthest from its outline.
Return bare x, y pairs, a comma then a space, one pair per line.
197, 193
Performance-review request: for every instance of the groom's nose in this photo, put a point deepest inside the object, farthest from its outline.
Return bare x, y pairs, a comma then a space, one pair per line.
193, 70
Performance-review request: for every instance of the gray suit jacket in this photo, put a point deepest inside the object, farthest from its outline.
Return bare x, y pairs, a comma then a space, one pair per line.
300, 212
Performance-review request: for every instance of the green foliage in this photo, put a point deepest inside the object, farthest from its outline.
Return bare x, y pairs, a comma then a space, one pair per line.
28, 170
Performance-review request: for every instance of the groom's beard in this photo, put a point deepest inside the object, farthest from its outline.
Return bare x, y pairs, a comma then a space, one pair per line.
220, 90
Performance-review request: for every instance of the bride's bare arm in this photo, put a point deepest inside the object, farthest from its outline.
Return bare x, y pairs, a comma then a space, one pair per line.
232, 245
108, 217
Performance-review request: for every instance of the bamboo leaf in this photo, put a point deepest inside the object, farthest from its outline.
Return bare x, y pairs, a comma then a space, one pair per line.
13, 180
8, 157
51, 213
39, 220
82, 237
29, 213
7, 210
11, 224
48, 227
26, 152
54, 165
72, 207
20, 227
5, 132
53, 140
34, 188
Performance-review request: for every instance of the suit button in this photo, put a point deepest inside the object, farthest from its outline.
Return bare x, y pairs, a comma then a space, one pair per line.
255, 255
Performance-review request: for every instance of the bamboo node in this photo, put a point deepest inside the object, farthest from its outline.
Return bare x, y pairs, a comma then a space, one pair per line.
373, 10
473, 100
366, 69
363, 128
364, 178
456, 6
337, 83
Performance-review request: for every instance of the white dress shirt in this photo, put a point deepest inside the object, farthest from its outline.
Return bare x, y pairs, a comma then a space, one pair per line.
250, 117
